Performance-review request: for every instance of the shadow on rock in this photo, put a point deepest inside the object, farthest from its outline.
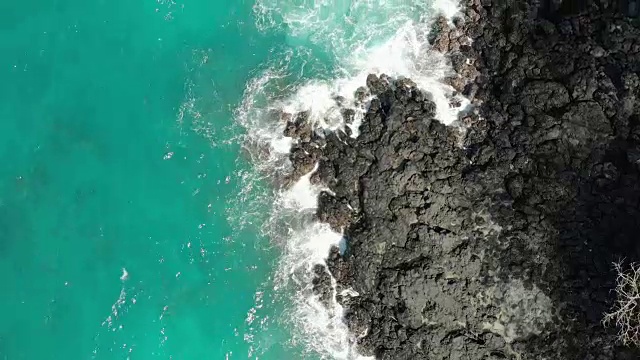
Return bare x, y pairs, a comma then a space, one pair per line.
562, 103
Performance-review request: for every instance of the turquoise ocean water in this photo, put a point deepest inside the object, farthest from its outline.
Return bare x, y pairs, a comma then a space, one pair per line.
91, 98
130, 217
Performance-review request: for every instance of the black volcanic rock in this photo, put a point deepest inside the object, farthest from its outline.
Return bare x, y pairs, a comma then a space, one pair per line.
322, 285
496, 241
333, 211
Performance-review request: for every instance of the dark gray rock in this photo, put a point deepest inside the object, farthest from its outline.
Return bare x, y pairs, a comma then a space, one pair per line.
496, 243
322, 285
333, 211
459, 254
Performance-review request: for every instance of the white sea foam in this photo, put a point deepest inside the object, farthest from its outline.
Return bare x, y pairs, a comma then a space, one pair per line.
324, 329
368, 36
447, 8
302, 195
359, 37
304, 242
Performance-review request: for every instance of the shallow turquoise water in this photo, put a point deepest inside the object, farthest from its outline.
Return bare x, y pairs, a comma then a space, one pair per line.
113, 121
131, 221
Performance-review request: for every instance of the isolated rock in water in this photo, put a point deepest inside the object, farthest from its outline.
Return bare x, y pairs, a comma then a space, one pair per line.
497, 242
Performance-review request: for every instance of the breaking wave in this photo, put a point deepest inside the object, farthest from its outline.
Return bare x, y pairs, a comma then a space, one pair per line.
331, 47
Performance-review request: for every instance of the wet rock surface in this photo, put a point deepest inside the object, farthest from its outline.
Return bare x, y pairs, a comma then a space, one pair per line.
321, 285
494, 240
306, 150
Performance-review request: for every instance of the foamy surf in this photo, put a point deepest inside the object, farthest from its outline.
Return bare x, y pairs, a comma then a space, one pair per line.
362, 37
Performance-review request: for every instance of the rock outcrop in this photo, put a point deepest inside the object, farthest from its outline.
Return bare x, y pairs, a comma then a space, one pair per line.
494, 240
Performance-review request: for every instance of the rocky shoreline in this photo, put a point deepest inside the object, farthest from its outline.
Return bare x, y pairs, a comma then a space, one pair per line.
493, 239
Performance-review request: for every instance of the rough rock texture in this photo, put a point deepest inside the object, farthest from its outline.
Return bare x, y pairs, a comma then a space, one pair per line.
496, 243
305, 152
